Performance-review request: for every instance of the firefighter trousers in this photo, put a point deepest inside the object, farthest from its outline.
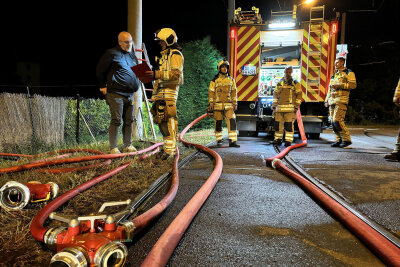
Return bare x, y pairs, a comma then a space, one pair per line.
337, 114
165, 116
284, 122
230, 119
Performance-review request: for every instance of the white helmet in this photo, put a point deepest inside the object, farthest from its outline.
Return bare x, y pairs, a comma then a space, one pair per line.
167, 35
223, 62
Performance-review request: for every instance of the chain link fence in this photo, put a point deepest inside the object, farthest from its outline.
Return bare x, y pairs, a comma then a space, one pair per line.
36, 123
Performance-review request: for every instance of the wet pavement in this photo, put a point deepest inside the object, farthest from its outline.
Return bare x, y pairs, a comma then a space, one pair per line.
256, 216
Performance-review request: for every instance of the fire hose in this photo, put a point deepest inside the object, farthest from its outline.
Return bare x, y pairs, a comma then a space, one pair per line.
96, 240
166, 244
15, 195
384, 248
89, 240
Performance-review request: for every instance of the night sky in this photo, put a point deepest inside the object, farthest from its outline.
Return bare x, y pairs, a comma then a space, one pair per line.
67, 38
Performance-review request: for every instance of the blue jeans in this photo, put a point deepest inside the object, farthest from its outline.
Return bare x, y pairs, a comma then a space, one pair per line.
121, 107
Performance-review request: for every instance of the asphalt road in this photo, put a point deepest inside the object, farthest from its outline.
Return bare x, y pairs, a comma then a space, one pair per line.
256, 216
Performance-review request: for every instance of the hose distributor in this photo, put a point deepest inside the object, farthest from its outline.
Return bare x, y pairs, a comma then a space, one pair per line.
15, 195
94, 240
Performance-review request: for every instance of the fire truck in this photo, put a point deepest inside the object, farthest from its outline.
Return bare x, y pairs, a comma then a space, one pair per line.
258, 54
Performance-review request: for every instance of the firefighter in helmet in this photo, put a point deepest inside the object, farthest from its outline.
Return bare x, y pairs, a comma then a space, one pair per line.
395, 155
286, 102
168, 77
222, 98
342, 81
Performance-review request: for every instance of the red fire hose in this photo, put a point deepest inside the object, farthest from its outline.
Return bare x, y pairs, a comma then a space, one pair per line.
166, 244
42, 164
386, 250
144, 219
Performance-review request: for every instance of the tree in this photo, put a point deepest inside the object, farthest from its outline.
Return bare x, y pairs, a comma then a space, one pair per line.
200, 66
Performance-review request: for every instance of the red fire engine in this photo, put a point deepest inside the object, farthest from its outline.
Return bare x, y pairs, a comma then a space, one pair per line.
260, 51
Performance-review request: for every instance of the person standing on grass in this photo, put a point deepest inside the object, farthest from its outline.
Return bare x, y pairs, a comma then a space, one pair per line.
118, 83
168, 77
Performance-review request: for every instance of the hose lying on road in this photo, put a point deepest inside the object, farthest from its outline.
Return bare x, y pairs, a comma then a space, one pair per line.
380, 245
166, 244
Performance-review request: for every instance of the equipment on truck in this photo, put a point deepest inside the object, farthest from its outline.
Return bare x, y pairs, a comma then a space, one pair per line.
259, 53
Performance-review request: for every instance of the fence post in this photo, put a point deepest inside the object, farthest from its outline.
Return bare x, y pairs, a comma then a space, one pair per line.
31, 115
78, 99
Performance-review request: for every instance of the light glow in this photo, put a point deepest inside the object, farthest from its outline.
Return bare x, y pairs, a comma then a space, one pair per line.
281, 25
308, 1
334, 28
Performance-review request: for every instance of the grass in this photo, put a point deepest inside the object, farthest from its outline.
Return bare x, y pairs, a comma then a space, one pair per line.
19, 248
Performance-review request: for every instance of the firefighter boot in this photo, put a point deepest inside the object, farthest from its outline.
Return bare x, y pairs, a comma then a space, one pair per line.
129, 149
345, 143
277, 142
219, 142
393, 156
336, 144
233, 144
162, 155
288, 143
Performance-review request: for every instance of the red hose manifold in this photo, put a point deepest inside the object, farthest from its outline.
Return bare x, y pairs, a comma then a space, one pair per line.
15, 195
90, 240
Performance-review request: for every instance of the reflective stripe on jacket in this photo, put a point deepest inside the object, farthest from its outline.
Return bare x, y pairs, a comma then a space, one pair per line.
222, 93
169, 76
287, 95
346, 80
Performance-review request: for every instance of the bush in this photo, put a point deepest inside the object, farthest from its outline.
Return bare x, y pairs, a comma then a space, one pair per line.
201, 59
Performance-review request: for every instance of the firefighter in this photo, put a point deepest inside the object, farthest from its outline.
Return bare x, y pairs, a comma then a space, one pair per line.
337, 99
222, 98
287, 100
168, 78
395, 155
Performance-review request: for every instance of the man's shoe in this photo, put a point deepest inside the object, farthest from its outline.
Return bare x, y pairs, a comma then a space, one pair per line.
287, 143
115, 150
337, 144
129, 149
233, 144
277, 142
393, 156
345, 143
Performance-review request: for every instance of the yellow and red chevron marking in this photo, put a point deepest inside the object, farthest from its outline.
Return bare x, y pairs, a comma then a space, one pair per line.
315, 93
248, 52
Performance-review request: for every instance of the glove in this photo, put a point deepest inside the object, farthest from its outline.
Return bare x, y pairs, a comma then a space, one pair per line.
210, 111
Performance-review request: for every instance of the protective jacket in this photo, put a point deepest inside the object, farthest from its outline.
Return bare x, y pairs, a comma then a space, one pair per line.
222, 93
346, 80
287, 96
397, 92
166, 88
114, 71
169, 76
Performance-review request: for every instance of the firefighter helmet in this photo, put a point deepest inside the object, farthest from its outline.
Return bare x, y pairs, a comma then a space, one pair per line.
167, 35
223, 62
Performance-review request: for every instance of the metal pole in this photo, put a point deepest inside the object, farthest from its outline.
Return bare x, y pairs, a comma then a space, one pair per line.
231, 14
31, 115
87, 126
78, 99
135, 29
